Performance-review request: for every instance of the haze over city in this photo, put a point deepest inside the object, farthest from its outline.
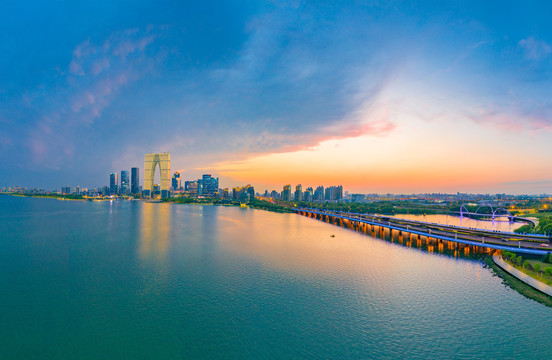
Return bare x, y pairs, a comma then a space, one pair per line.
379, 97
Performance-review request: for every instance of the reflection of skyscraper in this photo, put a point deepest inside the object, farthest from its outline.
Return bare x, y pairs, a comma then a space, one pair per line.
124, 182
135, 180
113, 183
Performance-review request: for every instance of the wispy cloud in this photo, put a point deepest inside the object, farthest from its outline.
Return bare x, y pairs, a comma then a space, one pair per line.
96, 74
512, 118
535, 49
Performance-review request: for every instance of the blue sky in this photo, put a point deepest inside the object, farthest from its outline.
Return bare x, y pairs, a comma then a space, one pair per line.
240, 88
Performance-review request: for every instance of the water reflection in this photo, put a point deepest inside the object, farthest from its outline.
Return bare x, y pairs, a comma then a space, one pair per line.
464, 221
155, 231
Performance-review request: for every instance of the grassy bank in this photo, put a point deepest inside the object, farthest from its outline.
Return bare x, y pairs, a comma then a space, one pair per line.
517, 284
51, 196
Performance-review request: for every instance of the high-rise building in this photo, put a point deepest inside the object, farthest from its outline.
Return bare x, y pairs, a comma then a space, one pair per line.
124, 190
251, 191
210, 185
298, 193
135, 180
286, 193
319, 193
308, 195
66, 190
192, 187
176, 181
163, 160
113, 187
334, 193
243, 194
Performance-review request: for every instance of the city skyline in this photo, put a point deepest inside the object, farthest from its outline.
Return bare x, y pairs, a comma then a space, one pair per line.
381, 98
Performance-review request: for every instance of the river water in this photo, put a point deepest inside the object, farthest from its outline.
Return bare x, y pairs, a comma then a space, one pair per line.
133, 280
500, 224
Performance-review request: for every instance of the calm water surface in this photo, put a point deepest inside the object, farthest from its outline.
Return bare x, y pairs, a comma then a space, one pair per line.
132, 280
500, 224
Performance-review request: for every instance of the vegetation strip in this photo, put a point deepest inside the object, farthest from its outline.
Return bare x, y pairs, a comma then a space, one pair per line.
518, 285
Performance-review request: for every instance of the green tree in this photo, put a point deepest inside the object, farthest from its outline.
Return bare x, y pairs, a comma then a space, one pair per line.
519, 259
526, 264
524, 229
548, 271
537, 267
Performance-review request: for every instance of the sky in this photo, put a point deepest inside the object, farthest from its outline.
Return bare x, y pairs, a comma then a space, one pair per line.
377, 96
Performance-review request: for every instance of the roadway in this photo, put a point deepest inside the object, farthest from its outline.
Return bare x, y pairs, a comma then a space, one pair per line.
529, 243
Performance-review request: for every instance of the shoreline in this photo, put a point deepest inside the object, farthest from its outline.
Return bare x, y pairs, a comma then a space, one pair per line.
529, 280
516, 284
158, 201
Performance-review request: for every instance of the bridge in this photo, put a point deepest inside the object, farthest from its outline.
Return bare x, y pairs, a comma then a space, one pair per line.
496, 212
452, 236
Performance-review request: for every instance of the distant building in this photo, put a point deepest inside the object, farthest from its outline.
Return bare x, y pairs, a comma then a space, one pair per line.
113, 187
194, 188
135, 180
308, 195
275, 194
286, 193
243, 194
105, 191
66, 190
319, 194
210, 185
334, 193
176, 181
125, 183
163, 160
298, 193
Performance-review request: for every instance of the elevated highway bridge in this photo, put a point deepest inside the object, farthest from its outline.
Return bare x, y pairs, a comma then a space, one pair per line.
485, 239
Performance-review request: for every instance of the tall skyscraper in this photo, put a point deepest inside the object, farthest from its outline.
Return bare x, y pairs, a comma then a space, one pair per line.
163, 160
113, 187
308, 194
124, 183
319, 193
334, 193
298, 193
286, 193
176, 181
210, 185
135, 180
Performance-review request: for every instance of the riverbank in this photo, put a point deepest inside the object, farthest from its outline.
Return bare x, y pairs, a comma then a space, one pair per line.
516, 284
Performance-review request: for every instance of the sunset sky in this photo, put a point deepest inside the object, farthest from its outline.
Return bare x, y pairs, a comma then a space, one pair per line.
379, 96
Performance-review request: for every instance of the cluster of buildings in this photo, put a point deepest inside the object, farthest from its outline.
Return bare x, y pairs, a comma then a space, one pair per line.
127, 183
320, 194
